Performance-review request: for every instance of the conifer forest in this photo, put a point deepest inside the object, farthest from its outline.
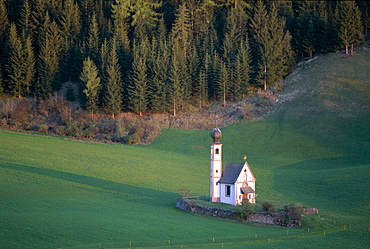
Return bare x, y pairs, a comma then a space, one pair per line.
162, 56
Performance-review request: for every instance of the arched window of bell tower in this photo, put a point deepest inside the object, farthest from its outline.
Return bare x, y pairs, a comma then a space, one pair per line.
217, 151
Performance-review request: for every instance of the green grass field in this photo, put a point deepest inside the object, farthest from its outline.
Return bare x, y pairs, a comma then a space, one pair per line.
314, 149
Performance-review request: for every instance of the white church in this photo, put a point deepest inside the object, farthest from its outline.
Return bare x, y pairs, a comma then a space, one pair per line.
233, 185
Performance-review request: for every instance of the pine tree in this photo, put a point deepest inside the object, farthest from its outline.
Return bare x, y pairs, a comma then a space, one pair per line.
160, 71
21, 63
270, 39
70, 22
113, 91
1, 83
137, 11
93, 39
4, 20
223, 83
182, 54
242, 69
15, 67
181, 30
176, 89
25, 19
350, 24
29, 63
138, 90
48, 59
91, 80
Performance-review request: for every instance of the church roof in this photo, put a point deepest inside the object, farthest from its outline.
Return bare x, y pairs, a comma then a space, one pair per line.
231, 172
247, 190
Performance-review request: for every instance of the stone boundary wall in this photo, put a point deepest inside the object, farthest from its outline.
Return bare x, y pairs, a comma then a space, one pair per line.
278, 219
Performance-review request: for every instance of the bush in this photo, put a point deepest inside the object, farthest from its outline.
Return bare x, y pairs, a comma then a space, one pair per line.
43, 128
73, 131
269, 207
59, 130
134, 139
294, 212
245, 212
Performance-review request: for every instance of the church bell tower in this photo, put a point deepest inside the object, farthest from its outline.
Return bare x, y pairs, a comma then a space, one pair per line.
215, 165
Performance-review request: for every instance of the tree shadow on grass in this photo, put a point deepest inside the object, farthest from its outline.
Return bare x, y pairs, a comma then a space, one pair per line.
147, 196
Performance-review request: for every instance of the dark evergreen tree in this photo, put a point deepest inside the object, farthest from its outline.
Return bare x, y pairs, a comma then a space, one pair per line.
48, 59
223, 89
181, 30
137, 11
93, 39
270, 41
15, 67
91, 81
113, 89
1, 83
29, 63
25, 21
70, 26
176, 88
4, 20
138, 90
350, 24
21, 63
4, 25
242, 69
160, 71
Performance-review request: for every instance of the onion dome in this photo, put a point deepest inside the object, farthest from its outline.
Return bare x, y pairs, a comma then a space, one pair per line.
216, 135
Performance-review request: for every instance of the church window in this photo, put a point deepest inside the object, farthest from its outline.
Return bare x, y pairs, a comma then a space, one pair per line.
217, 151
228, 190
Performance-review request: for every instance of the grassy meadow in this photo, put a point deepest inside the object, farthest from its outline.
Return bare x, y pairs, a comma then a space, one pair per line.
314, 149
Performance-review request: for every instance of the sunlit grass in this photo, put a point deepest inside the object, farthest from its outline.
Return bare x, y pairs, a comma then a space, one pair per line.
313, 149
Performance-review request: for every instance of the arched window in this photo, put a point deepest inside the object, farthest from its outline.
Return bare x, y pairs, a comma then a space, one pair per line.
217, 151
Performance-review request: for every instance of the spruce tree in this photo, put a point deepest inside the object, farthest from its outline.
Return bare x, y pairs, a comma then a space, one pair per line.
242, 69
113, 89
25, 19
91, 81
176, 89
1, 83
351, 28
138, 90
70, 22
181, 30
137, 11
15, 67
93, 39
21, 63
29, 63
223, 83
160, 71
270, 43
48, 59
4, 20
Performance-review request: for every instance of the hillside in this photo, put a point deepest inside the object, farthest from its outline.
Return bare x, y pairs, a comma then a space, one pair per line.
313, 148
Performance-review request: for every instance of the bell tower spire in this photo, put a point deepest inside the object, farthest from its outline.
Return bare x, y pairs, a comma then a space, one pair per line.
215, 165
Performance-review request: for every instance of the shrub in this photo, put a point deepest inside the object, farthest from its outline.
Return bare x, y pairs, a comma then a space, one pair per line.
269, 207
59, 130
246, 210
44, 128
294, 212
134, 139
73, 131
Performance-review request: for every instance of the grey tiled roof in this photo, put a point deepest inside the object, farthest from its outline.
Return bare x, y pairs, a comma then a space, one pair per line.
247, 190
231, 172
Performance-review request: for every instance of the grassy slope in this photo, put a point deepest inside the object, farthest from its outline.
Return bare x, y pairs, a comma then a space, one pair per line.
313, 149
